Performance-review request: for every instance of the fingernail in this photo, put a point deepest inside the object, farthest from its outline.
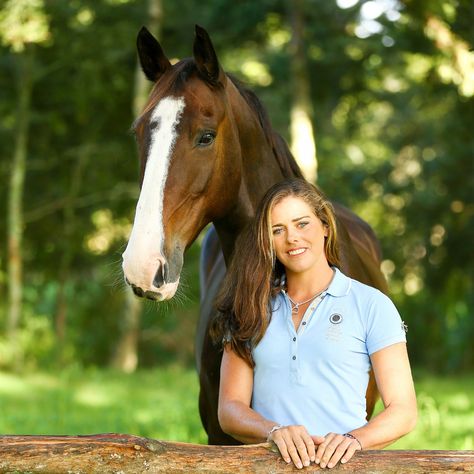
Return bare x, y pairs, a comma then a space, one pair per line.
299, 466
316, 461
330, 465
323, 465
343, 461
287, 460
312, 459
306, 463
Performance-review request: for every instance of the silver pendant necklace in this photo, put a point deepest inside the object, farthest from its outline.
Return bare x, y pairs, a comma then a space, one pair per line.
295, 306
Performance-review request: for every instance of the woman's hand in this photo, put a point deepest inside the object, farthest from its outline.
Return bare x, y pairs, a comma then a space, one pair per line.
334, 448
295, 444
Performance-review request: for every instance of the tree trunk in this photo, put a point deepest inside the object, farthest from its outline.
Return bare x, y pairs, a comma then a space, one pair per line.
15, 197
125, 357
113, 453
303, 145
69, 226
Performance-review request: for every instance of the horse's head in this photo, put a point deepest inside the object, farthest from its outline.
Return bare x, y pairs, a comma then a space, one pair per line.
190, 160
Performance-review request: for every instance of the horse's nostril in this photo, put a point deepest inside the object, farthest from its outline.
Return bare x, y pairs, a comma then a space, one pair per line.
138, 291
161, 276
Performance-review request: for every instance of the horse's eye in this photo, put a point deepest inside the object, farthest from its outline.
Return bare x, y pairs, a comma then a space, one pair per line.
206, 138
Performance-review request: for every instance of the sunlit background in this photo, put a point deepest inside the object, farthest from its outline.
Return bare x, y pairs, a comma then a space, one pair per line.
375, 99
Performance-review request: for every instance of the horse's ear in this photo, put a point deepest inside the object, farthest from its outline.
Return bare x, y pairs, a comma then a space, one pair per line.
206, 58
152, 58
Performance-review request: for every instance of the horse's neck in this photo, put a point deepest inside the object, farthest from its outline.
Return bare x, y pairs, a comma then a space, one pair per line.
260, 170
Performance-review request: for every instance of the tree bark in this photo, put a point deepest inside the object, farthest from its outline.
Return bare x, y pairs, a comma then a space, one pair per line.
125, 357
15, 197
113, 453
303, 144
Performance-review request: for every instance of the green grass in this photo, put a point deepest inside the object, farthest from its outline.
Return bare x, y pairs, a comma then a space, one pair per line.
445, 414
162, 404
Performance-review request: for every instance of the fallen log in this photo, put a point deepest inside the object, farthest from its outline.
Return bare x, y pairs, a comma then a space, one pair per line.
116, 453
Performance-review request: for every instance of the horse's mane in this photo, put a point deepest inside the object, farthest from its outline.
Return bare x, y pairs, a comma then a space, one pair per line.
285, 159
175, 80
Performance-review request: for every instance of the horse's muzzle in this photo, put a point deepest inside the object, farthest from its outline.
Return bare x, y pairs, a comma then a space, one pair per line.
152, 276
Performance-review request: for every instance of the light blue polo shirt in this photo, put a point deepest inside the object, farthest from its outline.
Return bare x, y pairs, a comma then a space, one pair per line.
318, 376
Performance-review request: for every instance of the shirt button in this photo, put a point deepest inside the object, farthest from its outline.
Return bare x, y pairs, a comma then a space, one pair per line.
294, 357
294, 339
304, 322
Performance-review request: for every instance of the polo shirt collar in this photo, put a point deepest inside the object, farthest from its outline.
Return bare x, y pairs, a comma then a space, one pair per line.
340, 285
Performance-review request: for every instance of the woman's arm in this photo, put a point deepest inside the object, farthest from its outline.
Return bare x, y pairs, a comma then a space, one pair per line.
241, 422
395, 384
235, 393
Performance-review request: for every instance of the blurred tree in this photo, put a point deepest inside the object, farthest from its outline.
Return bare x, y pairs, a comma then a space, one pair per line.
303, 144
23, 24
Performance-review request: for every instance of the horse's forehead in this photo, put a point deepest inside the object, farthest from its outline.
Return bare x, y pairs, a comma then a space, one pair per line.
201, 99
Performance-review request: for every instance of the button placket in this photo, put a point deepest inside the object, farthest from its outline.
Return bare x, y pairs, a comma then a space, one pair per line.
294, 376
309, 314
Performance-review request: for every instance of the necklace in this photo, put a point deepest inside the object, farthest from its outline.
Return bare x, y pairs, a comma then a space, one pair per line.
295, 306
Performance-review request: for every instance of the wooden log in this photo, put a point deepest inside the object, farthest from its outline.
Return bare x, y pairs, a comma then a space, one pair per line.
116, 453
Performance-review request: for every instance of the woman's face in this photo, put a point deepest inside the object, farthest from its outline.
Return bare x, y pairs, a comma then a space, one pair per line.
298, 236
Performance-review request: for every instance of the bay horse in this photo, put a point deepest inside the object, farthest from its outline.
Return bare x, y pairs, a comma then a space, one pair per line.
208, 153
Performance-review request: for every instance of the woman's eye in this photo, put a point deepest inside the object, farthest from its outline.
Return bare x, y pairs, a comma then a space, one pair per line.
276, 231
206, 139
302, 224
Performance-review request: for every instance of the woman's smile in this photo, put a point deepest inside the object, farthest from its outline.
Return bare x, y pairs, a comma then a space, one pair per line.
296, 252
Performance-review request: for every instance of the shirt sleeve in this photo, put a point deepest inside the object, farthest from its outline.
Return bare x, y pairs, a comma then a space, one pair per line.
384, 325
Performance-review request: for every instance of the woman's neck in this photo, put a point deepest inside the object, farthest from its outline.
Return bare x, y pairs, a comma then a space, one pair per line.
301, 286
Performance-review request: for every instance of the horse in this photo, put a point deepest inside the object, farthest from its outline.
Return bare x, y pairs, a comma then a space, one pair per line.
208, 153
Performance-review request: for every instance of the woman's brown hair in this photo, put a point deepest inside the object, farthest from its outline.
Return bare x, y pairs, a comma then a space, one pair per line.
255, 274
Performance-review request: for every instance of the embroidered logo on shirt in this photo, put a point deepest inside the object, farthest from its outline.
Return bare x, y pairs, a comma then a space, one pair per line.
335, 318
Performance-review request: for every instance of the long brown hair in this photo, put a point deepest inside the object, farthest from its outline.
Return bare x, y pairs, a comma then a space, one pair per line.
255, 274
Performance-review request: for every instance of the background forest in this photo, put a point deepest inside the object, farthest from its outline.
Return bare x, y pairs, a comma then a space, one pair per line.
379, 91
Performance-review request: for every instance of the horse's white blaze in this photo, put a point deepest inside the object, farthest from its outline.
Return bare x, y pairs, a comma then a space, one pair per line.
144, 252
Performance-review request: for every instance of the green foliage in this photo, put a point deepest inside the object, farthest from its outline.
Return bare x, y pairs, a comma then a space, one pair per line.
393, 119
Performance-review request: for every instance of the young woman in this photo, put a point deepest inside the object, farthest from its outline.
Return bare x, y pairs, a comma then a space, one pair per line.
300, 338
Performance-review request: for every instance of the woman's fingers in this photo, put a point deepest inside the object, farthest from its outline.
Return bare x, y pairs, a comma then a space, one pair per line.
340, 450
310, 448
281, 445
353, 447
317, 440
295, 444
322, 447
335, 448
286, 445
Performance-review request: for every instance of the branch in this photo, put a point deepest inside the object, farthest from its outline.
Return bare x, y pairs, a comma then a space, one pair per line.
112, 453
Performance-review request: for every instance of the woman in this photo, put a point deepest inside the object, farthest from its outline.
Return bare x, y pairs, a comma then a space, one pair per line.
300, 338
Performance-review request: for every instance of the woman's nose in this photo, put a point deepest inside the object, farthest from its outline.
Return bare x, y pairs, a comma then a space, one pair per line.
292, 236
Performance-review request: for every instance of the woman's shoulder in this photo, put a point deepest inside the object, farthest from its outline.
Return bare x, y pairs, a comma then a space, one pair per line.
367, 293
